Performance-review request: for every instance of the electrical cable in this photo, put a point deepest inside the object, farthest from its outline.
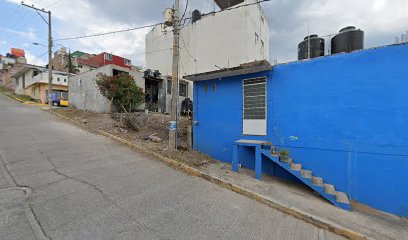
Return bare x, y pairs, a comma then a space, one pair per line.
54, 3
108, 33
146, 53
41, 55
185, 10
151, 25
185, 47
244, 5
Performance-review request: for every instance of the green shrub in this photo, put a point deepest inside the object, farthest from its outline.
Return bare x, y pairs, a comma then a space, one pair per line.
121, 90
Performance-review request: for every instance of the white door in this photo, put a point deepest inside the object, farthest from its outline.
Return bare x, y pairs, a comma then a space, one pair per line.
254, 106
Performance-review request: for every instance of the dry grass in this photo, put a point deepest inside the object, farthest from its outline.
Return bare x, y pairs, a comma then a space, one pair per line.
156, 123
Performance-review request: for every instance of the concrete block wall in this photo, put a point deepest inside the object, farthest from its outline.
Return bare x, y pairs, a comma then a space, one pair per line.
343, 116
83, 92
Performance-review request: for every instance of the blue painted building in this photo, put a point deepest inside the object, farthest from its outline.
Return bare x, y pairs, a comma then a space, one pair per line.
344, 117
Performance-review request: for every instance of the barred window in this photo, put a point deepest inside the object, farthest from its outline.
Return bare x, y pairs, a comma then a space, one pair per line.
254, 98
254, 107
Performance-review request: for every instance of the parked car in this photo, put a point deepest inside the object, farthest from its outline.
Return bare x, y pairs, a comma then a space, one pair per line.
58, 101
63, 103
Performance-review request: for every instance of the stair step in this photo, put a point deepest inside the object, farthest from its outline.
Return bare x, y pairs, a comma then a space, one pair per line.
306, 173
318, 181
342, 197
285, 160
296, 166
329, 188
328, 191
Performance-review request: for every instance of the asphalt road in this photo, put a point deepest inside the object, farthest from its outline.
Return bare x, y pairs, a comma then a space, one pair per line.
60, 182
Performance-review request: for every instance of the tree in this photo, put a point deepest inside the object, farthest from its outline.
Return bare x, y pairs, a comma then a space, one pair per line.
121, 90
70, 66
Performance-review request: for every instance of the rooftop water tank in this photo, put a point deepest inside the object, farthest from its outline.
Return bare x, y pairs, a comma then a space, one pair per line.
316, 47
148, 73
156, 74
196, 15
347, 40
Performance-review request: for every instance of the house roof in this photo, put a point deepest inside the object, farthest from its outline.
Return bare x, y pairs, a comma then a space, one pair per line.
20, 69
89, 62
77, 54
223, 4
246, 68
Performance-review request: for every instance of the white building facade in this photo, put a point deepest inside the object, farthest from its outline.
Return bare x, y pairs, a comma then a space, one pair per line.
218, 40
32, 80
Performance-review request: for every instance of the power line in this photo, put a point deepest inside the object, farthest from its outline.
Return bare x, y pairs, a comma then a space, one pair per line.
245, 5
108, 33
146, 53
185, 10
54, 3
185, 47
14, 13
240, 6
151, 25
41, 55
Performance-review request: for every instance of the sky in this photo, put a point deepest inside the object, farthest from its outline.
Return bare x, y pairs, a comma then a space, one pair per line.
289, 21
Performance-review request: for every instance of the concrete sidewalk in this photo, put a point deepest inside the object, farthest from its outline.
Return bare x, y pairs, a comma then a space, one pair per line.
301, 200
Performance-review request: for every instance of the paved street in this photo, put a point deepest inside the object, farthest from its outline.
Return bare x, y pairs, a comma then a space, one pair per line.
85, 186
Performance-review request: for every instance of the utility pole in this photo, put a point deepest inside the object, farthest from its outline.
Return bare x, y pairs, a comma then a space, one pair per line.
49, 48
173, 130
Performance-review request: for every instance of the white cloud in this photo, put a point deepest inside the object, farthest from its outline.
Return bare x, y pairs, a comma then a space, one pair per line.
27, 35
381, 20
36, 60
379, 4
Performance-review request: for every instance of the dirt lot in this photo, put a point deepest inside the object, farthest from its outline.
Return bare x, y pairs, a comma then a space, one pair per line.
156, 124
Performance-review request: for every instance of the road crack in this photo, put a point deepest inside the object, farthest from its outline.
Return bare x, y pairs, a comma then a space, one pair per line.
29, 212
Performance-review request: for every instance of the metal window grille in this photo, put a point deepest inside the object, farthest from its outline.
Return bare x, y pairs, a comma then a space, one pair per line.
254, 91
169, 82
183, 89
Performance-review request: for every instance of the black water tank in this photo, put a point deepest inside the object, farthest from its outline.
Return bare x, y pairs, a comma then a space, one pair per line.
196, 15
349, 39
156, 74
316, 47
148, 73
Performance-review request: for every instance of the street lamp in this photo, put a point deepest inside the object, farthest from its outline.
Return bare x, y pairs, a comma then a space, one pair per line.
39, 44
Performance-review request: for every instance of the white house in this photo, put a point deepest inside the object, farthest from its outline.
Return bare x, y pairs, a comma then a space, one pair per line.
214, 41
32, 80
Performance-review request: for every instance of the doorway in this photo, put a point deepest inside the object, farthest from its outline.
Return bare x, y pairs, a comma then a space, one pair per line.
152, 94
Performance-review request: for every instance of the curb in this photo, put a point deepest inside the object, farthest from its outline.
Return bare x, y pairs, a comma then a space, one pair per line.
14, 98
294, 212
18, 99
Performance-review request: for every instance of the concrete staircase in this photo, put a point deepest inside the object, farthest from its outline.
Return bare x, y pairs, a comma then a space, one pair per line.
326, 190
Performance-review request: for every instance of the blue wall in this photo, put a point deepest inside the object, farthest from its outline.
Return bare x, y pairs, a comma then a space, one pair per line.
345, 117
